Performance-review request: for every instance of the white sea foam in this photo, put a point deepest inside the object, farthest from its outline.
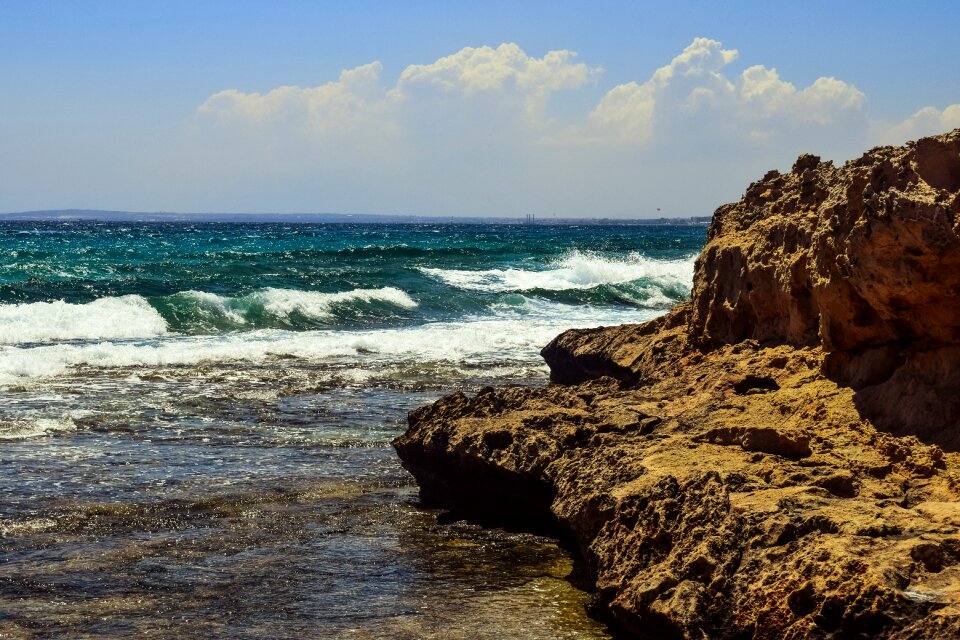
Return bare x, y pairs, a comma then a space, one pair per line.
213, 305
576, 270
283, 302
132, 317
510, 335
26, 428
107, 318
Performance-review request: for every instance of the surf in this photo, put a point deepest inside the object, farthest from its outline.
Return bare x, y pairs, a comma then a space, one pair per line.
513, 333
577, 270
136, 316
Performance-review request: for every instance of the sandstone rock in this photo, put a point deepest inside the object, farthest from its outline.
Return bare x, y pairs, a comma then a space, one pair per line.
776, 458
629, 353
867, 264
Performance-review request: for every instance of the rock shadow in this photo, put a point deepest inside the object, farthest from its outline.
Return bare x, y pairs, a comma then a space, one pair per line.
904, 392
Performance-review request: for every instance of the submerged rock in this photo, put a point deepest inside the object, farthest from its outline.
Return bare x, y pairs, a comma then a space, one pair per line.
776, 457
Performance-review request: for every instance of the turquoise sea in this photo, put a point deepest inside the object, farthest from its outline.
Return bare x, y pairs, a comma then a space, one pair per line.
195, 420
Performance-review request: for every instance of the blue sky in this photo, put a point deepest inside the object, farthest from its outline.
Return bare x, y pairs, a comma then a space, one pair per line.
121, 104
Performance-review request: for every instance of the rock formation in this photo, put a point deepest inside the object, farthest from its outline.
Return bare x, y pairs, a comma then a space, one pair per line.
777, 457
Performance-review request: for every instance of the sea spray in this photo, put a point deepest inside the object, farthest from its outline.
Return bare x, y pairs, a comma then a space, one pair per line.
576, 270
129, 316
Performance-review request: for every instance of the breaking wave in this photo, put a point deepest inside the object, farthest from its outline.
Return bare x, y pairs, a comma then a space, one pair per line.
107, 319
134, 316
512, 334
201, 312
575, 271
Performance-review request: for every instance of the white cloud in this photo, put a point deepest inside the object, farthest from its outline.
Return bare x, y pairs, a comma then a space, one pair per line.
625, 113
359, 99
475, 132
764, 95
628, 113
507, 67
502, 79
925, 122
355, 100
692, 95
693, 87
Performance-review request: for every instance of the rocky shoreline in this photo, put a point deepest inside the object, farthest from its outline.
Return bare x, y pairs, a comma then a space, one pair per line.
778, 456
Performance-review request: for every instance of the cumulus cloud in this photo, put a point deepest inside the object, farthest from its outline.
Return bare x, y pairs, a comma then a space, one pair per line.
630, 112
925, 122
504, 79
478, 132
694, 90
358, 99
504, 89
471, 70
355, 100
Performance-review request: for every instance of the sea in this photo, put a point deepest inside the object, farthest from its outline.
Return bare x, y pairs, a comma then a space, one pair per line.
195, 421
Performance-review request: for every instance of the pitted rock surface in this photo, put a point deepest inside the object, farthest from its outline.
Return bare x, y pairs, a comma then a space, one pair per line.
777, 457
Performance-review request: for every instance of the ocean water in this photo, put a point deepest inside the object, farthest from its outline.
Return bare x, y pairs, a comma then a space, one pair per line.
195, 421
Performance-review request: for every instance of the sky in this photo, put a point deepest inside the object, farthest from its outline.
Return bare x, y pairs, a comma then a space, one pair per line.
569, 109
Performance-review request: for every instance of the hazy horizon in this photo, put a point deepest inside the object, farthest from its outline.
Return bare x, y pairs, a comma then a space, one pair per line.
101, 214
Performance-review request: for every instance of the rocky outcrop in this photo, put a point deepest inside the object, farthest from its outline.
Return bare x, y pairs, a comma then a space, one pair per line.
862, 260
778, 456
631, 353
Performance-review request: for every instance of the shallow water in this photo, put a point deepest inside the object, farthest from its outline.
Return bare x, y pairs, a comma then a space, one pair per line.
250, 513
218, 462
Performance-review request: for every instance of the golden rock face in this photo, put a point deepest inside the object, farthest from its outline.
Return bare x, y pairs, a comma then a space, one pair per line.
776, 457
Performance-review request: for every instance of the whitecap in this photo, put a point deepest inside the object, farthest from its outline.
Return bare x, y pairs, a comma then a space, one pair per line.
121, 317
576, 270
132, 316
316, 304
512, 334
212, 305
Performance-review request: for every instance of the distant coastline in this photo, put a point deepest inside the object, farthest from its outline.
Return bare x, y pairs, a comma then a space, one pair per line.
66, 215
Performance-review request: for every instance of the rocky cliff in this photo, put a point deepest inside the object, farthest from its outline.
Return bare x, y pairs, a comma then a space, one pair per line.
777, 457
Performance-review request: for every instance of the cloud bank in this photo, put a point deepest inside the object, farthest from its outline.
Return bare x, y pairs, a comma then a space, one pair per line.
488, 131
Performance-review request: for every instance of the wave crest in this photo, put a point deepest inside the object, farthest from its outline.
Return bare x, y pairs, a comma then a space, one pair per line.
133, 316
104, 319
575, 271
311, 303
511, 335
199, 311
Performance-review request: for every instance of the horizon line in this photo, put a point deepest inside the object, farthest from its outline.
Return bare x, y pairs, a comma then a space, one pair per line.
98, 214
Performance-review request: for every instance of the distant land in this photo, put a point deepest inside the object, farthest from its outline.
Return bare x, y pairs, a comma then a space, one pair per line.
335, 218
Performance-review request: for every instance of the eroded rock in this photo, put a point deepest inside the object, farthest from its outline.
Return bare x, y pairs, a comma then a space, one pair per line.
777, 457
